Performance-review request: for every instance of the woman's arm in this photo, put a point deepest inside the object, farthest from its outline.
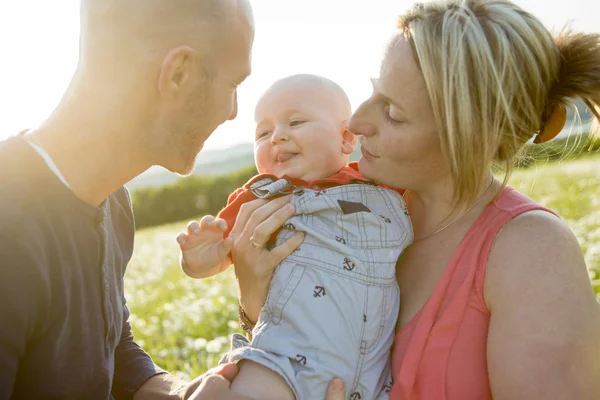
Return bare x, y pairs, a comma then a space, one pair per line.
258, 220
544, 336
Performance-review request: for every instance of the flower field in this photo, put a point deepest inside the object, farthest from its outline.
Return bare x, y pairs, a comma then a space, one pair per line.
184, 323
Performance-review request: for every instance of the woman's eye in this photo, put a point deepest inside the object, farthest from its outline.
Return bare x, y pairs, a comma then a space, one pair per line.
388, 115
392, 119
297, 122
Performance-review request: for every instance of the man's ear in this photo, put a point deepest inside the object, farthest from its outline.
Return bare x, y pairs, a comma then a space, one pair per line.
348, 139
176, 71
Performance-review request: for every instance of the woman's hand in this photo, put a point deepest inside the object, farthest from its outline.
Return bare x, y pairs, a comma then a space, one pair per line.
336, 390
215, 383
254, 264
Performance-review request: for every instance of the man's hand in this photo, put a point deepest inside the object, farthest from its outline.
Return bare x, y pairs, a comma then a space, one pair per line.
215, 385
204, 252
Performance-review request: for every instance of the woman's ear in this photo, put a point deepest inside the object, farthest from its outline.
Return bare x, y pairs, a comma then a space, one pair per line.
348, 138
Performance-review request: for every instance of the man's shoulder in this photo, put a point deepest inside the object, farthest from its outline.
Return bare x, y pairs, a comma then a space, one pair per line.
121, 212
18, 163
17, 168
121, 198
13, 152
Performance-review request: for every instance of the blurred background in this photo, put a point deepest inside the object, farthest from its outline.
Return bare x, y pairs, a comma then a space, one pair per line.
183, 323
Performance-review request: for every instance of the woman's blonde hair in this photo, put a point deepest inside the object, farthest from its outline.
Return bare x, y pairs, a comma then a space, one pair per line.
494, 75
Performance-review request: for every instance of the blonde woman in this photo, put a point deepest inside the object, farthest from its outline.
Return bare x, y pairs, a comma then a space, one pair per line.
495, 296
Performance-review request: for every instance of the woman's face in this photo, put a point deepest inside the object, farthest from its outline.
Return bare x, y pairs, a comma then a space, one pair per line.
398, 133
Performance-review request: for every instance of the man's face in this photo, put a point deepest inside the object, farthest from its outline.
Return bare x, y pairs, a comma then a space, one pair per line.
213, 98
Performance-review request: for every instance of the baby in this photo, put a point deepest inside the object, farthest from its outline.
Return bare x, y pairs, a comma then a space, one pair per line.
333, 303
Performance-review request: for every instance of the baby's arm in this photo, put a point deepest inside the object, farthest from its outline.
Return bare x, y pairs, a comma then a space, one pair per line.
204, 251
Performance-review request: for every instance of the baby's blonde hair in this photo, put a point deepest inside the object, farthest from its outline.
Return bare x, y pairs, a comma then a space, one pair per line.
494, 75
337, 95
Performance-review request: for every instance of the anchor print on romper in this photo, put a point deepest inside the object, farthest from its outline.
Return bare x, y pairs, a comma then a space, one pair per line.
348, 264
355, 396
319, 291
340, 240
386, 219
301, 359
388, 387
289, 226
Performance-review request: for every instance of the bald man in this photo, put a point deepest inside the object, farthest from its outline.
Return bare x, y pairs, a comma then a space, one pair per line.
154, 79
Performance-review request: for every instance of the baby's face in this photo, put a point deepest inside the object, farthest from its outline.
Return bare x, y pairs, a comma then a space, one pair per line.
299, 134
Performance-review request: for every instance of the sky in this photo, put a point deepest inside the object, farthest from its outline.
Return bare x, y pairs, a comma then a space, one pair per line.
339, 39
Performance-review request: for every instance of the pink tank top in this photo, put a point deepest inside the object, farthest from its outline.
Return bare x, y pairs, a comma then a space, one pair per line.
441, 353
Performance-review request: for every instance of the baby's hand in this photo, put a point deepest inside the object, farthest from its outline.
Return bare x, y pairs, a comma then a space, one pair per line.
204, 252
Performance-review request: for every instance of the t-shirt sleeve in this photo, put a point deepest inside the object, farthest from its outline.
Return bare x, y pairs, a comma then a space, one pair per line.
133, 366
23, 295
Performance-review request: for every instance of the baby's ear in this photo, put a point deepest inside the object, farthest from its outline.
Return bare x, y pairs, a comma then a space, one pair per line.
348, 138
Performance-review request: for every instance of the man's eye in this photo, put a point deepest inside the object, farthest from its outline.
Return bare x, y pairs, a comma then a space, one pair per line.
297, 122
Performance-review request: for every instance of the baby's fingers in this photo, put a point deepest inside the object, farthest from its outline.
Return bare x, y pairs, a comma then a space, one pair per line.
208, 222
193, 227
182, 239
225, 248
187, 242
221, 224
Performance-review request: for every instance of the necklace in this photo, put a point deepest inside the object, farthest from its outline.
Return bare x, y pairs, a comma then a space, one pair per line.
460, 216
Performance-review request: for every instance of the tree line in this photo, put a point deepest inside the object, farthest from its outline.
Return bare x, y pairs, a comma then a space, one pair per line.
195, 196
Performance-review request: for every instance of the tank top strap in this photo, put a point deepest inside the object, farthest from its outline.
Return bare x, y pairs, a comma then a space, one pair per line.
509, 205
440, 319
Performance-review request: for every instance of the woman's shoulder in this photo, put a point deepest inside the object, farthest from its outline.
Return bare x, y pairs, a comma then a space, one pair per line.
513, 202
542, 306
529, 229
503, 210
533, 244
526, 221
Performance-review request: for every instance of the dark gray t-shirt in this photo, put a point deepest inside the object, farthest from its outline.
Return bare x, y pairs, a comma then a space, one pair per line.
64, 330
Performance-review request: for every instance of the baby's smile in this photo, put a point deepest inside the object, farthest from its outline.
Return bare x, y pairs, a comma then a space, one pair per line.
283, 157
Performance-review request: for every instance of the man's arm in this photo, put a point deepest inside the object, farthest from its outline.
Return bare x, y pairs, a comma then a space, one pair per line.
163, 386
215, 384
22, 297
136, 376
134, 369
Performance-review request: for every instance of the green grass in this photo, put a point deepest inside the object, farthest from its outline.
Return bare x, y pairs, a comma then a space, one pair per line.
185, 323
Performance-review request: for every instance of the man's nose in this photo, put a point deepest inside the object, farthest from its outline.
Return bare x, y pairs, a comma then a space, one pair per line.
234, 110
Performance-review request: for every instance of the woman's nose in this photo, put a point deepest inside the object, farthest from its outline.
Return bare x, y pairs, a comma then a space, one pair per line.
360, 122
